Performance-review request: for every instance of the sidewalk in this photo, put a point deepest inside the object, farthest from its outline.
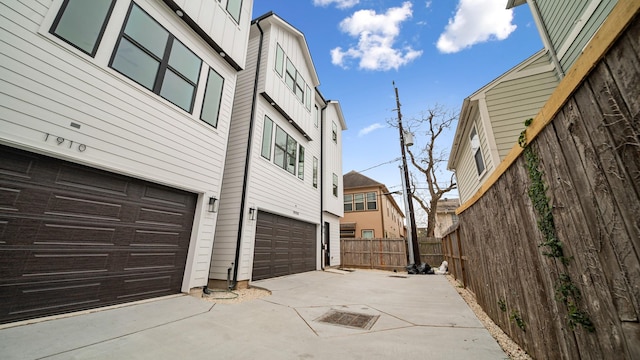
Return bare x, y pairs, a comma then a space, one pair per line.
415, 316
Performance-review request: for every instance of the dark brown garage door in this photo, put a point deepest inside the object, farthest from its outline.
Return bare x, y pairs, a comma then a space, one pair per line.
283, 246
73, 237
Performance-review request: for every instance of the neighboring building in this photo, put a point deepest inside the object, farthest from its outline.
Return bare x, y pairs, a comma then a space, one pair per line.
567, 35
492, 118
112, 147
369, 210
282, 164
446, 216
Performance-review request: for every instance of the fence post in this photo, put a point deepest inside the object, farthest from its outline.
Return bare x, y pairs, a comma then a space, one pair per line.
464, 276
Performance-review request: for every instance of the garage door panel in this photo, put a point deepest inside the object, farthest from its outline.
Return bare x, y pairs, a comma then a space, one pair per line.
283, 246
66, 229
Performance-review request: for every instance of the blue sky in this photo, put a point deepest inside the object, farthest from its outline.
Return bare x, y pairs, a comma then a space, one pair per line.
437, 52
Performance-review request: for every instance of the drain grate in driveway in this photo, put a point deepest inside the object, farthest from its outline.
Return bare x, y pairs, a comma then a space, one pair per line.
349, 319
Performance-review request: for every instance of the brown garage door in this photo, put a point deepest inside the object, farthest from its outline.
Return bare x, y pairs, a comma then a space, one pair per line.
283, 246
73, 237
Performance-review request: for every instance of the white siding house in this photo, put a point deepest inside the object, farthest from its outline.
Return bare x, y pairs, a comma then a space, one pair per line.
270, 216
492, 118
86, 91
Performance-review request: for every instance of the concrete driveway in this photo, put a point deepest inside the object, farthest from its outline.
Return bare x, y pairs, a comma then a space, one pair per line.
408, 316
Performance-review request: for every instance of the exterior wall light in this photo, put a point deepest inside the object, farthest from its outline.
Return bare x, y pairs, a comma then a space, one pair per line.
213, 205
252, 213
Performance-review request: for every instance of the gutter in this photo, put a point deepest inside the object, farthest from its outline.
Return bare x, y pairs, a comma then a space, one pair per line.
245, 181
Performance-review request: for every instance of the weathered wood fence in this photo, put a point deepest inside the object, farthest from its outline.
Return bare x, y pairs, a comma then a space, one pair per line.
430, 251
584, 301
454, 255
383, 254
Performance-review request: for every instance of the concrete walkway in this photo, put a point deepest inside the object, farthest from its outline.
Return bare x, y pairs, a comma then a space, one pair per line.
418, 316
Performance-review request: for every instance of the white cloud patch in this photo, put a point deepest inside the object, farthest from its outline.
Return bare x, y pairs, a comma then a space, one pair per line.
340, 4
376, 34
369, 129
476, 21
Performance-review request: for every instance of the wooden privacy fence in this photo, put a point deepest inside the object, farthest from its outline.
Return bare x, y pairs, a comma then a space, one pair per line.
561, 275
430, 251
383, 254
453, 254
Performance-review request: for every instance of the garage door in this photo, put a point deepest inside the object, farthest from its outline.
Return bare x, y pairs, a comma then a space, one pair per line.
73, 237
283, 246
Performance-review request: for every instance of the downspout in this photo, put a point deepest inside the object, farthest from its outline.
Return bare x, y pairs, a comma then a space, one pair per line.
320, 179
546, 39
245, 181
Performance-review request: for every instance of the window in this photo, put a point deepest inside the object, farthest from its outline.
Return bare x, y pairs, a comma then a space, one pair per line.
335, 185
372, 204
290, 75
212, 98
285, 151
317, 115
358, 200
151, 56
476, 151
367, 234
81, 23
348, 202
301, 163
300, 85
267, 133
233, 8
279, 60
334, 132
315, 172
307, 98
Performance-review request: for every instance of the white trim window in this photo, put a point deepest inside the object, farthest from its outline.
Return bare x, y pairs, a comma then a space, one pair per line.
234, 7
267, 136
315, 172
476, 150
367, 234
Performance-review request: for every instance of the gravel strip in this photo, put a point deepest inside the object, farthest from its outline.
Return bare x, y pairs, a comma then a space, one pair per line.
235, 296
508, 346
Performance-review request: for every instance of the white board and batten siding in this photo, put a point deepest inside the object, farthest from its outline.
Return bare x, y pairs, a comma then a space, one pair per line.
334, 243
51, 91
212, 17
332, 159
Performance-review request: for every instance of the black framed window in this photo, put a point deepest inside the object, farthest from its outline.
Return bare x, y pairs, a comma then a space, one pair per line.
300, 85
476, 151
81, 23
151, 56
334, 132
267, 134
279, 60
285, 151
290, 75
301, 162
212, 98
234, 7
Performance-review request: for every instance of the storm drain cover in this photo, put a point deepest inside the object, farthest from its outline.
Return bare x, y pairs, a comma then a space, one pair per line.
349, 319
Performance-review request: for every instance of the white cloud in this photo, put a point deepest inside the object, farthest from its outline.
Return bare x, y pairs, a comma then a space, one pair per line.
476, 21
340, 4
369, 129
376, 35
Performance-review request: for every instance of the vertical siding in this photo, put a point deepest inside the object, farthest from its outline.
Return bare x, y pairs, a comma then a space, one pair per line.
45, 85
332, 159
213, 18
334, 242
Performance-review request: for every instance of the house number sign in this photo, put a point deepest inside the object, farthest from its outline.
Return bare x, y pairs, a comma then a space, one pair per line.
65, 142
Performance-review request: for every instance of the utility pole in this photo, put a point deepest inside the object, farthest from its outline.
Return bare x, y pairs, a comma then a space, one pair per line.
413, 233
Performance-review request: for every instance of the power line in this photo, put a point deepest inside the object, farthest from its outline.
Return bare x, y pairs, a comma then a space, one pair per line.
384, 163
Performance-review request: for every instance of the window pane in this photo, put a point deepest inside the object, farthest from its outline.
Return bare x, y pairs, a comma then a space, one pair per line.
479, 161
281, 147
136, 64
234, 7
316, 115
358, 199
212, 98
279, 60
290, 75
301, 163
267, 133
184, 61
315, 172
334, 132
335, 185
177, 90
307, 98
292, 146
82, 22
146, 31
372, 204
367, 234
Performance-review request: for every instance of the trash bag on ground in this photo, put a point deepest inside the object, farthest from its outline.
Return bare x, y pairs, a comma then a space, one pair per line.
423, 268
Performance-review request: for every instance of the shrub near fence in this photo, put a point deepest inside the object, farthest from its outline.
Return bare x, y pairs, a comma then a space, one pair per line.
383, 254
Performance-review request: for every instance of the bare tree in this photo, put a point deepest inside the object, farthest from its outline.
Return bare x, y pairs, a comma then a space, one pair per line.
429, 161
